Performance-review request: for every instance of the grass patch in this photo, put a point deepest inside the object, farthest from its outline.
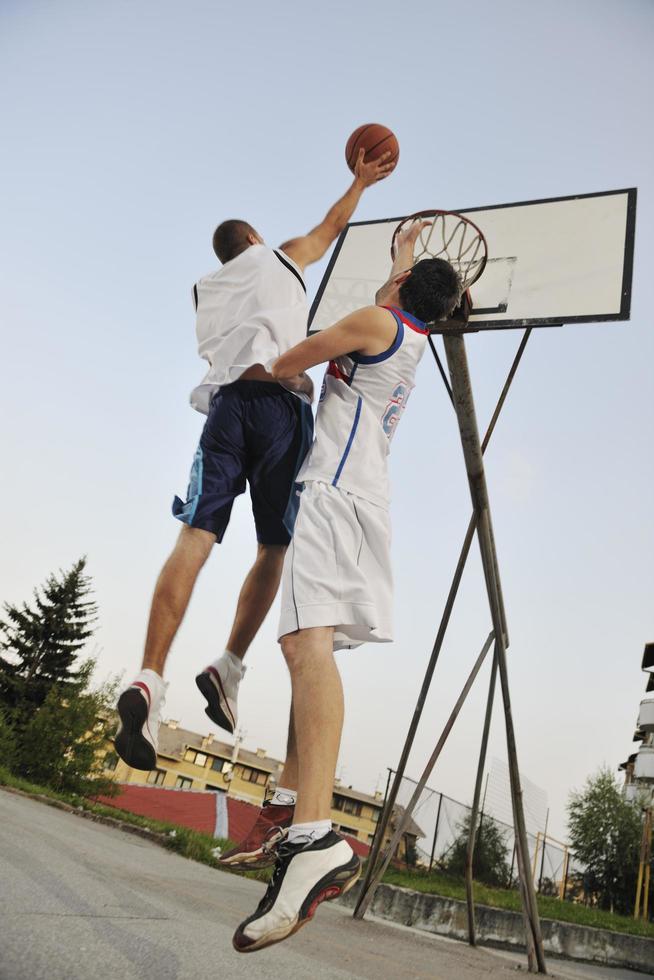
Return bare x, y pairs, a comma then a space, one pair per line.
438, 883
189, 843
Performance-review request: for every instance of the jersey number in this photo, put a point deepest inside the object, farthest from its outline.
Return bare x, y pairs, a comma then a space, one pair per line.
395, 408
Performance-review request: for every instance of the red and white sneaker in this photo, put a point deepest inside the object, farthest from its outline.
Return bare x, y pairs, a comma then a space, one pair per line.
305, 875
219, 684
140, 707
257, 850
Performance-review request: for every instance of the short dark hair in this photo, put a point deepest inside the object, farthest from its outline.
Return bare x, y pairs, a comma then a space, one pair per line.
432, 291
231, 238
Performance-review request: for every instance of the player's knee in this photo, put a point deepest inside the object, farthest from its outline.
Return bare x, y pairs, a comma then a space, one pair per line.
271, 551
271, 555
195, 543
291, 648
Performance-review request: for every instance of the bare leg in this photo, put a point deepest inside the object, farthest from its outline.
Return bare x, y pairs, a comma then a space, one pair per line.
318, 718
288, 775
256, 597
173, 592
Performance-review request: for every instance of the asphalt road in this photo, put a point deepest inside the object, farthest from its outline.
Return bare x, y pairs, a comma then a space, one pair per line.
82, 901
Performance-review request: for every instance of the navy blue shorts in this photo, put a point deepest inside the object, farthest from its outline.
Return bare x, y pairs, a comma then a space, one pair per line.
258, 432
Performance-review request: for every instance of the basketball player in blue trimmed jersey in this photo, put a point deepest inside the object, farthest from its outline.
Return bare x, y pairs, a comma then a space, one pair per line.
336, 585
249, 312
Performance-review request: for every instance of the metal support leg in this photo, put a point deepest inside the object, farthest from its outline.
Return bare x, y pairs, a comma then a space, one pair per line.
472, 454
472, 837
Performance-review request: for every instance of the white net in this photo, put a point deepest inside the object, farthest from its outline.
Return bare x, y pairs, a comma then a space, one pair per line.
452, 237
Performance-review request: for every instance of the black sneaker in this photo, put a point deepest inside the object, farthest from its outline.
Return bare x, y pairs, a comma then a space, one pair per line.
305, 875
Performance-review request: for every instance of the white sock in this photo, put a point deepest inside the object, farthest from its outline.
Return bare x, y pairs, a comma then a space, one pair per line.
308, 832
232, 661
284, 797
151, 676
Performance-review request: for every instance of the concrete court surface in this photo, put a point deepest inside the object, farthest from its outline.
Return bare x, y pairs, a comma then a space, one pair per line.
83, 901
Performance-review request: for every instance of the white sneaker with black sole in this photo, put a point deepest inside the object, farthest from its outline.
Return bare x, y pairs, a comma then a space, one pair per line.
305, 875
140, 707
219, 683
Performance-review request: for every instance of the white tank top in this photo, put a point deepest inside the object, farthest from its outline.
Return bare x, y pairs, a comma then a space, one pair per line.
361, 403
250, 311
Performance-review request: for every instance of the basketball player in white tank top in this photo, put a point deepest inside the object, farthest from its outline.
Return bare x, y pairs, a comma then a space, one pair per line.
249, 312
336, 584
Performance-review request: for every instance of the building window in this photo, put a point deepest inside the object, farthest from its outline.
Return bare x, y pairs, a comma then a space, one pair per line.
375, 815
183, 783
156, 777
215, 789
347, 830
217, 764
110, 761
198, 758
347, 806
254, 776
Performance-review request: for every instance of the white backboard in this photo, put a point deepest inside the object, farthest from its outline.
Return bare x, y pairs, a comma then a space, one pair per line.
560, 260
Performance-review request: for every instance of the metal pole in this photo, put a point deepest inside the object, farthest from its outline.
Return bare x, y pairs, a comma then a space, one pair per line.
566, 866
542, 862
468, 431
472, 836
483, 802
440, 636
433, 846
366, 899
374, 836
512, 862
641, 867
534, 862
648, 866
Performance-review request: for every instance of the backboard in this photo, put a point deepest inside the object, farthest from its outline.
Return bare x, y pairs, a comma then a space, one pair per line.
553, 261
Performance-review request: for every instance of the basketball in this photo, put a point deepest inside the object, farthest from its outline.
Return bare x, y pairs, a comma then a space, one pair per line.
375, 140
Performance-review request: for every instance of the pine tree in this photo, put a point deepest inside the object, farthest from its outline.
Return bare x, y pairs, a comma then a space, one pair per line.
40, 642
490, 861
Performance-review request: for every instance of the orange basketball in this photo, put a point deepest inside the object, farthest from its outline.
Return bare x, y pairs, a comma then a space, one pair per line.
375, 140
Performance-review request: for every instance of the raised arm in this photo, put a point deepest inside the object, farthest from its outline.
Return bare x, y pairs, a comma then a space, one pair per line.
309, 248
369, 331
405, 245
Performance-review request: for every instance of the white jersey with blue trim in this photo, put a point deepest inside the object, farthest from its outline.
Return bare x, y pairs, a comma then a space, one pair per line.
361, 403
250, 311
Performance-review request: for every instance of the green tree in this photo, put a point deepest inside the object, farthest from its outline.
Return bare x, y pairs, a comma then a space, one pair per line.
491, 858
605, 831
7, 742
53, 725
39, 643
63, 743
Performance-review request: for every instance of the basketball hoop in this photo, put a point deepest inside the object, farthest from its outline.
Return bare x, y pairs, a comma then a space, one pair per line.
452, 237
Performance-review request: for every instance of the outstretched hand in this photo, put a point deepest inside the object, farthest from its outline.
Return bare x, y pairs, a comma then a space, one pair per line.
407, 237
370, 173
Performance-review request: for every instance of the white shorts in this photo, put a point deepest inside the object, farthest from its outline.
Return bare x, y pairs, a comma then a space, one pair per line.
337, 570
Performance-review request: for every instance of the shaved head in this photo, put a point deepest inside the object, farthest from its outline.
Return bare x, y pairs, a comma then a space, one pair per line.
231, 238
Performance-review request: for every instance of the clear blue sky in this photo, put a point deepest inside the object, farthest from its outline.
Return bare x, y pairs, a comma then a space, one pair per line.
130, 130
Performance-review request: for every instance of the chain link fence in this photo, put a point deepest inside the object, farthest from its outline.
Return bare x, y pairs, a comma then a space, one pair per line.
440, 823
